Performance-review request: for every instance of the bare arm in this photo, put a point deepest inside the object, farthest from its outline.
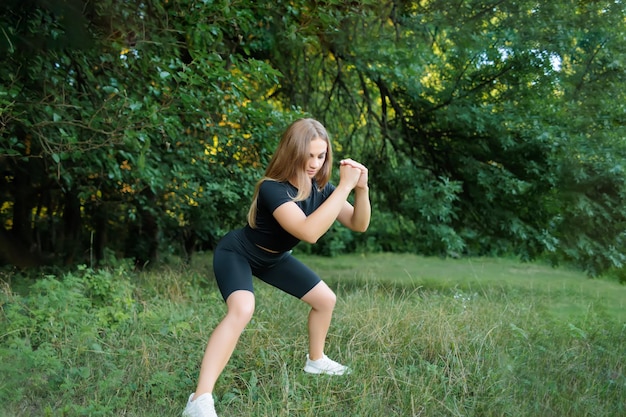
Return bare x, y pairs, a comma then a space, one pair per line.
357, 217
311, 228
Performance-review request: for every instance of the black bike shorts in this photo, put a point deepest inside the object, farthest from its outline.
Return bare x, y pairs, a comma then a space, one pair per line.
236, 259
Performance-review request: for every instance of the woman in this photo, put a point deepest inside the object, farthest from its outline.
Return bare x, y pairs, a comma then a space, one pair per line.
294, 201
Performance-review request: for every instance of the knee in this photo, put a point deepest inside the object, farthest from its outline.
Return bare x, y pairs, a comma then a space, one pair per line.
325, 300
241, 308
242, 313
330, 300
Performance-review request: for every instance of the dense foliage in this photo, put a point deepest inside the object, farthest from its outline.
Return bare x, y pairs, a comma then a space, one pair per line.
490, 127
137, 131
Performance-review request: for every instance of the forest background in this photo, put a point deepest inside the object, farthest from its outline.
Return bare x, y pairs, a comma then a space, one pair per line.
138, 129
132, 133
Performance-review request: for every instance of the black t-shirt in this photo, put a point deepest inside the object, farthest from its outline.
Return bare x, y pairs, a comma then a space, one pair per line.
272, 194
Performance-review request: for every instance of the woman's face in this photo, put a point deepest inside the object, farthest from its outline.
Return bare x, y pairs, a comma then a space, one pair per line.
317, 155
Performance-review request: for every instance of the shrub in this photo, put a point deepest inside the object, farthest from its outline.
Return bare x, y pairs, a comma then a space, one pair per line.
51, 332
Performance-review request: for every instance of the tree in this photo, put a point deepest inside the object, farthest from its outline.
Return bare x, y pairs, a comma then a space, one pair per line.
486, 125
471, 116
126, 126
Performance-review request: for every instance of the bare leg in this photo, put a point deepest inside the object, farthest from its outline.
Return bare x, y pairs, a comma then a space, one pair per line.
322, 301
224, 339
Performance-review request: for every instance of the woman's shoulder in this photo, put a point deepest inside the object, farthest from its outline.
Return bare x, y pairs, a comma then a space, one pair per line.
271, 185
271, 191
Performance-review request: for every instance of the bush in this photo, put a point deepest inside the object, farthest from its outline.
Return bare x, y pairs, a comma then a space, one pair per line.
55, 331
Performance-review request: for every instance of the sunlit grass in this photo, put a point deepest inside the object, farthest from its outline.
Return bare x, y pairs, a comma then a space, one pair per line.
561, 291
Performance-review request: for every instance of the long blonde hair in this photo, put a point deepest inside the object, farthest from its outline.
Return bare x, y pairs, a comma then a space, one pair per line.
289, 162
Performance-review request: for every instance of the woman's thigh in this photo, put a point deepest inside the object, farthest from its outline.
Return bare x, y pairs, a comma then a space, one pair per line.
291, 276
232, 272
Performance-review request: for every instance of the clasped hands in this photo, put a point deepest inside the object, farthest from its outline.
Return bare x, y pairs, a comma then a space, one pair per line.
354, 173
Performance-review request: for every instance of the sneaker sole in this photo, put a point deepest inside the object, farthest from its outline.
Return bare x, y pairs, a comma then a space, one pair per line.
316, 371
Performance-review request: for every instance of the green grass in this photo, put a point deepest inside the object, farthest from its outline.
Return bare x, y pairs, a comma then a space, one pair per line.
425, 337
560, 291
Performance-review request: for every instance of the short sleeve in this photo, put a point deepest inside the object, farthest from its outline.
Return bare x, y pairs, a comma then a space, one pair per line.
273, 194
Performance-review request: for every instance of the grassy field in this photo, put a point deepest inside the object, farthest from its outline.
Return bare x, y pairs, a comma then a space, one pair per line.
424, 336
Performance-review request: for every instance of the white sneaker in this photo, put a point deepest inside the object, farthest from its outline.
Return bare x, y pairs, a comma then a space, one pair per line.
325, 366
203, 406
